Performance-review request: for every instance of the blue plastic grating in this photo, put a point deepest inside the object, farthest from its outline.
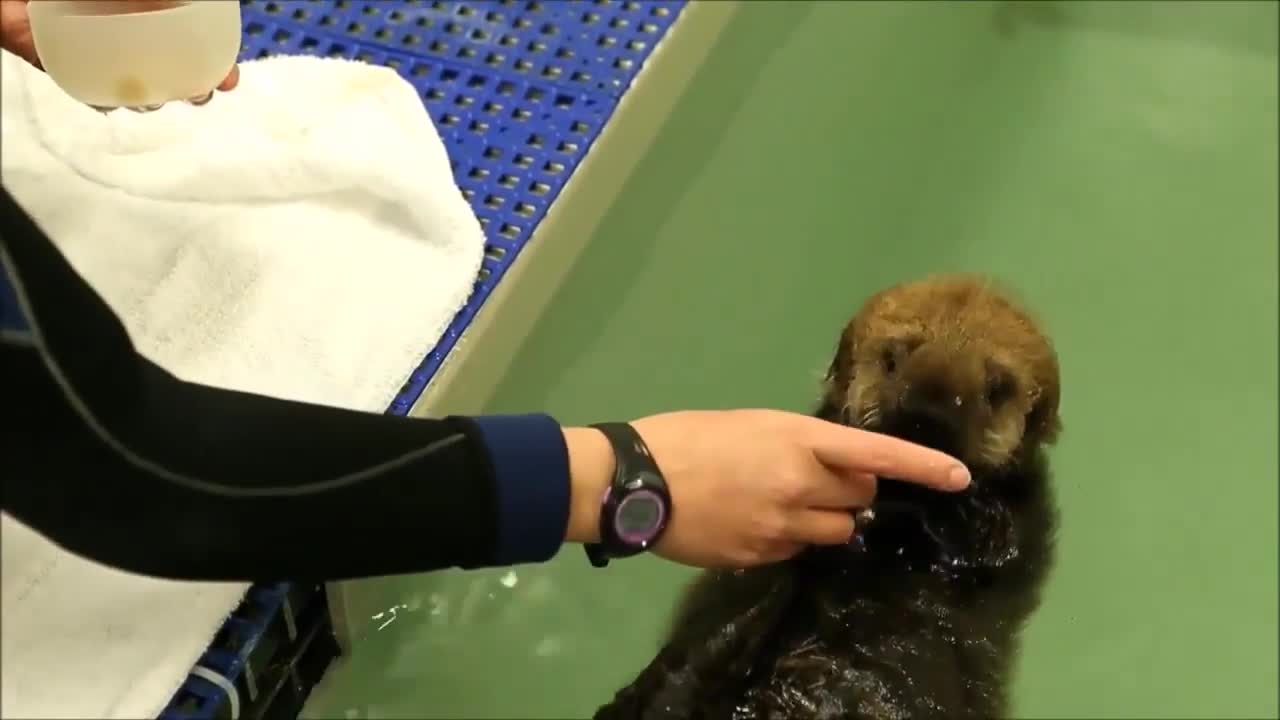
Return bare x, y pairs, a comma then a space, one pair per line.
518, 90
272, 650
595, 46
199, 699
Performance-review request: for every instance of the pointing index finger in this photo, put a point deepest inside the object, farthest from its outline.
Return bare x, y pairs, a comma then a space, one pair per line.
851, 449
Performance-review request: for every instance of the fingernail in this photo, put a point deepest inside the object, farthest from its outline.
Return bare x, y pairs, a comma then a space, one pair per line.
959, 477
201, 100
146, 108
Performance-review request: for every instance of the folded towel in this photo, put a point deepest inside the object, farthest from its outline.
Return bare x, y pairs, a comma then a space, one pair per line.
301, 236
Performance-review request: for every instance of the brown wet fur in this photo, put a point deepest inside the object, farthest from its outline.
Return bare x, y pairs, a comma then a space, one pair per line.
918, 618
955, 336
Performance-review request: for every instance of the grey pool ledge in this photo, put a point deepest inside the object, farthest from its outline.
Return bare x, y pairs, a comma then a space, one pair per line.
470, 373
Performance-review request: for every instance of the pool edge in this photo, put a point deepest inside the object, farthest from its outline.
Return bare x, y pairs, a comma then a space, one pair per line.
470, 373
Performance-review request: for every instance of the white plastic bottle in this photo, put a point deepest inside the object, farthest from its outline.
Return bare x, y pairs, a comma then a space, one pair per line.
126, 53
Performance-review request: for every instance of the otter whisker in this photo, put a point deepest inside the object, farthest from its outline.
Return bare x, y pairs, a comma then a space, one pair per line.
808, 645
870, 414
846, 412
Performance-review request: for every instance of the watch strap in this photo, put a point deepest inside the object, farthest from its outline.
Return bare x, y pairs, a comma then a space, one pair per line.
632, 460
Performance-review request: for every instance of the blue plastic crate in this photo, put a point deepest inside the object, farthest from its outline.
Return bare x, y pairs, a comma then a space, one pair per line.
239, 640
264, 661
519, 91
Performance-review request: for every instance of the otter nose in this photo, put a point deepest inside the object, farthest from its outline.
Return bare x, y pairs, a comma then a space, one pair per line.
932, 404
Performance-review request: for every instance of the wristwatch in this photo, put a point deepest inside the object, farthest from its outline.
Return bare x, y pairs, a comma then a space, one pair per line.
636, 508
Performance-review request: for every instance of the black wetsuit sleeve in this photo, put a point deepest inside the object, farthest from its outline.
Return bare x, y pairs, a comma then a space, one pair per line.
117, 460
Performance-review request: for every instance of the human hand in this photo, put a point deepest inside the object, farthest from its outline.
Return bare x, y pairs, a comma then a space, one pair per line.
15, 36
754, 486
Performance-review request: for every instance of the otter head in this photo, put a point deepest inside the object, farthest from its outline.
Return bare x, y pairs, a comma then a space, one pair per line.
952, 363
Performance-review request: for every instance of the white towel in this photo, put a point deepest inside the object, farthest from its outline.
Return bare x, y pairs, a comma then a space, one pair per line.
301, 236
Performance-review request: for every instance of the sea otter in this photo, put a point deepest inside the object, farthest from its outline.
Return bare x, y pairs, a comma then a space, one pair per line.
918, 616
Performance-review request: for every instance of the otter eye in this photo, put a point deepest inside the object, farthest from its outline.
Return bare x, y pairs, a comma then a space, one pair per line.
894, 350
1000, 387
889, 359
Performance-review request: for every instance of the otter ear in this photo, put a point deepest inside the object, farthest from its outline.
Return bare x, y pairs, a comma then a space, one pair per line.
838, 376
840, 372
1043, 420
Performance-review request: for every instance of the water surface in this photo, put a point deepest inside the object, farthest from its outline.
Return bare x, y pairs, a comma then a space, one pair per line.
1114, 162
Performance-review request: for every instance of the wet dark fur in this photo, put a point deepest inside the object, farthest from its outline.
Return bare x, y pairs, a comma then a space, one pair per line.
921, 619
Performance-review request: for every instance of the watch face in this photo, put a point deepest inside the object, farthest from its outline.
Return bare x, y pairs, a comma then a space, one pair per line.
639, 517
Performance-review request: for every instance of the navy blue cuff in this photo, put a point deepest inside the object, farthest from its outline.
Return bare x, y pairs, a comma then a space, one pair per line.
531, 466
12, 321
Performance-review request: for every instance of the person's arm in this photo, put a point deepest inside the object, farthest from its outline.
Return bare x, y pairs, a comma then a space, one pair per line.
115, 459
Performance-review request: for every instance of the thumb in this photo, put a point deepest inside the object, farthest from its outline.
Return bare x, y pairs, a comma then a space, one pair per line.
15, 31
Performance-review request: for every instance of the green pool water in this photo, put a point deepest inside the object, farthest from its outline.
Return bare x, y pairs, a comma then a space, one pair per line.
1114, 162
